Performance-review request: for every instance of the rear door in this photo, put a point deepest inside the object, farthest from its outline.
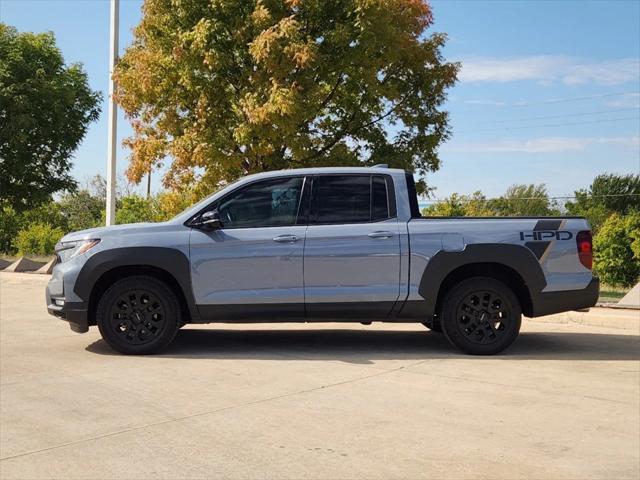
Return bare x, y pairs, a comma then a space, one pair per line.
352, 248
251, 268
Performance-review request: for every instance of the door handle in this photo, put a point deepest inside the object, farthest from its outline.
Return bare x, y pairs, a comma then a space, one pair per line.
285, 239
380, 234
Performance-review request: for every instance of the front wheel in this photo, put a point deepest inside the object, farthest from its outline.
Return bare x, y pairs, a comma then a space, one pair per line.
481, 316
433, 325
138, 315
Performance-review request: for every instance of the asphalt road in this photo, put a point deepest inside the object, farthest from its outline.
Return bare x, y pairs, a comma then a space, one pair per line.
313, 401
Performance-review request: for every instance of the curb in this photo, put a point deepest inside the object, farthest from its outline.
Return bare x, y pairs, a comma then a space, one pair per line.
600, 316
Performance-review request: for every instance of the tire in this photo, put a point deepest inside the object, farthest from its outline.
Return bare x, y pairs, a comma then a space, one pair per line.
138, 315
481, 316
434, 325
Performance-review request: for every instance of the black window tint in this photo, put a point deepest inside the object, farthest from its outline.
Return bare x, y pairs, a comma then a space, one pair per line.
270, 203
379, 204
413, 196
342, 199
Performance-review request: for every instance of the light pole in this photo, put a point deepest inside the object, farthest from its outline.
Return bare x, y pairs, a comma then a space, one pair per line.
113, 115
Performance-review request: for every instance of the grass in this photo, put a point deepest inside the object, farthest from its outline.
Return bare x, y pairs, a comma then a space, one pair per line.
609, 294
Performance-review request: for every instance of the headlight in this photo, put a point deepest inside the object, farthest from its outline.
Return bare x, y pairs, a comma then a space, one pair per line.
67, 250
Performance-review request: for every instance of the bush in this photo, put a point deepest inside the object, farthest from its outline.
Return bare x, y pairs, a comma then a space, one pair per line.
38, 239
616, 252
460, 206
134, 209
48, 213
82, 210
9, 228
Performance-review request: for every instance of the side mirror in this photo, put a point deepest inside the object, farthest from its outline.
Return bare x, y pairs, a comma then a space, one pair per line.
210, 220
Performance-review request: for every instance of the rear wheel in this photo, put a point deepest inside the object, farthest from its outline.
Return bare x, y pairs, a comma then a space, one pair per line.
138, 315
481, 316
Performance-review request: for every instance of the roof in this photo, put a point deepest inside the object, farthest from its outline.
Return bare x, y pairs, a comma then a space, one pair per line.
325, 170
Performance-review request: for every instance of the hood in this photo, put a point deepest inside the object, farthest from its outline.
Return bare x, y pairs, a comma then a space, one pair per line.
102, 232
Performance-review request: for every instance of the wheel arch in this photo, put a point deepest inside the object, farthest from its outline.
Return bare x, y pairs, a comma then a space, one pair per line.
168, 265
496, 271
514, 265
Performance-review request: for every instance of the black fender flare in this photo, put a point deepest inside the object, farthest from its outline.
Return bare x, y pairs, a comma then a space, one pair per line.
516, 257
171, 260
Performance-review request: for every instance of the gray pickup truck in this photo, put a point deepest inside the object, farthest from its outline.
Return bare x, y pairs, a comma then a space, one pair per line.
317, 245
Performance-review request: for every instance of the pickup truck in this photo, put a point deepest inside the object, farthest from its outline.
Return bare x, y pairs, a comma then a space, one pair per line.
317, 245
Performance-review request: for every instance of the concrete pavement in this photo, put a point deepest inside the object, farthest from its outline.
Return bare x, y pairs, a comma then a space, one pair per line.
313, 401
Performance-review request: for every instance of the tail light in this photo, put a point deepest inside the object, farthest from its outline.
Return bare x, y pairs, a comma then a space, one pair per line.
585, 248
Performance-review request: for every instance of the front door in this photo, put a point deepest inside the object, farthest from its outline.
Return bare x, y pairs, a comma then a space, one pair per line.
252, 267
352, 248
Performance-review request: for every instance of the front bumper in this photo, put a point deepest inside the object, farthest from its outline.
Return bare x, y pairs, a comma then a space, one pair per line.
62, 302
74, 313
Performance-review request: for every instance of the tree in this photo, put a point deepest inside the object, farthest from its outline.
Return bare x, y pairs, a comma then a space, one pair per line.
616, 253
226, 88
525, 200
9, 227
456, 205
45, 108
134, 209
519, 200
81, 210
608, 193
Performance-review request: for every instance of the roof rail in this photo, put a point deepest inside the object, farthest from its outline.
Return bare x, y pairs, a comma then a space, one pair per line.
381, 165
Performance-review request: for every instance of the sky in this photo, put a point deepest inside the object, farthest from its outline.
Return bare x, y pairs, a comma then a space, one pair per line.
549, 90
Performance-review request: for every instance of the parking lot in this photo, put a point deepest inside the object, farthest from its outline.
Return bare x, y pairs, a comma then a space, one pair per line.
313, 401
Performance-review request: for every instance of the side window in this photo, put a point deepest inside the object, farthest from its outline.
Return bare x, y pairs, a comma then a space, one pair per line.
379, 199
269, 203
349, 199
342, 199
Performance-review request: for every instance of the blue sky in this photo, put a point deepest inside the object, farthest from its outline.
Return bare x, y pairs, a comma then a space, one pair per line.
549, 91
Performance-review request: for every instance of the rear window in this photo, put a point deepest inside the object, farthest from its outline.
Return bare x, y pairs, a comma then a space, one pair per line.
379, 200
350, 199
413, 196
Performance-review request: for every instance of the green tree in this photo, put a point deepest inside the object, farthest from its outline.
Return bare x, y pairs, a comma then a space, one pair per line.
456, 205
45, 108
519, 200
616, 253
81, 210
48, 212
524, 200
608, 193
135, 209
232, 87
10, 225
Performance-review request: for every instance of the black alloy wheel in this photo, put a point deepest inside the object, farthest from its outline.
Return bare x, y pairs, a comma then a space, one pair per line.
138, 315
481, 316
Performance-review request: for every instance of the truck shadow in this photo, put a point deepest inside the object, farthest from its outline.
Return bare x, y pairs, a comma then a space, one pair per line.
366, 346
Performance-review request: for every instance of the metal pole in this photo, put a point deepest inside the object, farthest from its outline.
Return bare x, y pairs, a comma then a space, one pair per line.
113, 116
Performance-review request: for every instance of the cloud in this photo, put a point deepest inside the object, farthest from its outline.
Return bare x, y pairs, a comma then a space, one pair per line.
550, 69
479, 101
541, 145
629, 100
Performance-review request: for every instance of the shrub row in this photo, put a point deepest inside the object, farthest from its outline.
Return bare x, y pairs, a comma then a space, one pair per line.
37, 231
